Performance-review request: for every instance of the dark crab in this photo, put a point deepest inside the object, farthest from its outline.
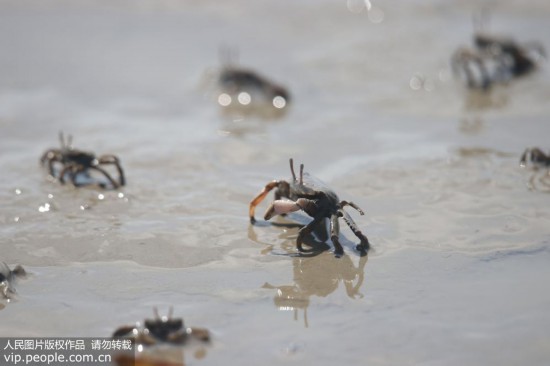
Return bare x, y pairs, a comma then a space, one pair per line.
163, 329
514, 58
8, 277
535, 156
495, 59
246, 85
314, 198
74, 162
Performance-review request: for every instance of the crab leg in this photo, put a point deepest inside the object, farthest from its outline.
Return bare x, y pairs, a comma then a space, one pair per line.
485, 78
50, 166
306, 230
111, 159
334, 232
301, 174
104, 172
364, 245
346, 203
66, 169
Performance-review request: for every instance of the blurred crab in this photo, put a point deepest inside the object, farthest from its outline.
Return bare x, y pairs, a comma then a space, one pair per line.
163, 329
75, 162
536, 157
7, 279
160, 341
244, 85
495, 59
246, 89
317, 200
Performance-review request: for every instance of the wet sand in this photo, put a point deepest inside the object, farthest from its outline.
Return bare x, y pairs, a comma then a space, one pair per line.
459, 232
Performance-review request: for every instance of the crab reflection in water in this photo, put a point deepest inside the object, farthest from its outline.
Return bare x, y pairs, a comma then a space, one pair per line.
320, 276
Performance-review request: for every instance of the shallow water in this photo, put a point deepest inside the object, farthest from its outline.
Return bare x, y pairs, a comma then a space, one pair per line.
459, 231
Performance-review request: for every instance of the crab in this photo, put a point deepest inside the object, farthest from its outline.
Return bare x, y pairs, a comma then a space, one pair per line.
163, 329
495, 59
8, 277
246, 84
535, 156
317, 200
74, 162
514, 58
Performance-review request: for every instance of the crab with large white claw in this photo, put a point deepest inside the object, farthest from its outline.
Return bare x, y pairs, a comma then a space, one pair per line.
310, 195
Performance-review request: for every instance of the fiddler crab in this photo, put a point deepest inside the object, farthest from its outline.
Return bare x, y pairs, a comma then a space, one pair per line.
74, 162
244, 85
536, 157
7, 279
316, 199
495, 59
162, 330
243, 88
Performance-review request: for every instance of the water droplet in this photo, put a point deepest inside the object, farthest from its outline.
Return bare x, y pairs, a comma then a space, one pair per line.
100, 196
279, 102
44, 208
16, 219
244, 98
120, 195
50, 195
224, 99
17, 191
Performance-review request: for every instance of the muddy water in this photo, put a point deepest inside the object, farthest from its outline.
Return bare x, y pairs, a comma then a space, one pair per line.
457, 273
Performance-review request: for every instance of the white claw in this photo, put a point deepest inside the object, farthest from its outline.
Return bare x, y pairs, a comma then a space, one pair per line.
279, 207
285, 206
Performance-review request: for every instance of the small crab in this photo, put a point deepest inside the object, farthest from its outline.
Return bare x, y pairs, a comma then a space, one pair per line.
514, 58
314, 198
163, 329
8, 277
246, 89
246, 84
494, 59
535, 156
74, 162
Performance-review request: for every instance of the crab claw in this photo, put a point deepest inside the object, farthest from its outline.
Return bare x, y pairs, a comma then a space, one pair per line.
279, 207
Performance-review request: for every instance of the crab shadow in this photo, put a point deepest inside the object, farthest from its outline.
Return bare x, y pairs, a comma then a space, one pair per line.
319, 275
316, 272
